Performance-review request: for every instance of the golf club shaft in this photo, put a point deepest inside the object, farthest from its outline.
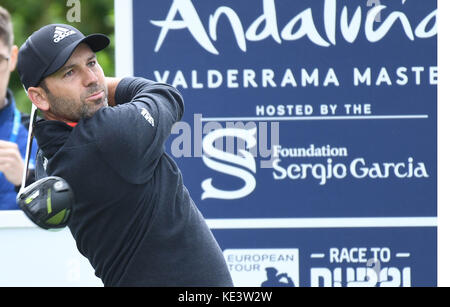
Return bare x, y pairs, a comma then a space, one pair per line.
29, 144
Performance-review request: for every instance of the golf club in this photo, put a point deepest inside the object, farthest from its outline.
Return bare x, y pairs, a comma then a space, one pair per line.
48, 201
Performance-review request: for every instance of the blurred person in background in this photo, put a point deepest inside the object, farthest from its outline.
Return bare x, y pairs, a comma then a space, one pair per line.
13, 124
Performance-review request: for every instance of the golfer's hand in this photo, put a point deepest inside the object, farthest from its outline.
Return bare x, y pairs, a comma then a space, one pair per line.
112, 83
11, 163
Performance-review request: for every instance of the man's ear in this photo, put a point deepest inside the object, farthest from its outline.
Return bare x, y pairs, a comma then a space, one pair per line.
39, 98
13, 58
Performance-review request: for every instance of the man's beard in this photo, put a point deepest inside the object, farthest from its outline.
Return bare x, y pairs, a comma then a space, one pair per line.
65, 108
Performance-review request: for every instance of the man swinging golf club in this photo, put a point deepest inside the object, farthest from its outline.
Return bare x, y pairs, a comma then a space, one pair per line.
131, 216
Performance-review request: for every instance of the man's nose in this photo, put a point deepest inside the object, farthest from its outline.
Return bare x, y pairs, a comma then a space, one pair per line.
89, 77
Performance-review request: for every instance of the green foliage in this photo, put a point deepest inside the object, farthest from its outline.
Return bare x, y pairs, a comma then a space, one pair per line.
96, 16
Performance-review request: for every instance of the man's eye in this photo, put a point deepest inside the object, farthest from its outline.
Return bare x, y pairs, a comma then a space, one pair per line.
69, 73
92, 63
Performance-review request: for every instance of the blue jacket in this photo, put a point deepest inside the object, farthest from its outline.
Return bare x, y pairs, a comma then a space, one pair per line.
12, 129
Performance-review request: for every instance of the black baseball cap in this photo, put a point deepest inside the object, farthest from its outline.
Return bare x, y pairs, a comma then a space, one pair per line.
49, 48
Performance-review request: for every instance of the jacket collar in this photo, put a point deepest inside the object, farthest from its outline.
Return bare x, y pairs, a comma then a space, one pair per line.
51, 135
9, 103
7, 117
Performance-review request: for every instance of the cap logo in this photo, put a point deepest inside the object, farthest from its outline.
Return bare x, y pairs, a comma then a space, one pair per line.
61, 33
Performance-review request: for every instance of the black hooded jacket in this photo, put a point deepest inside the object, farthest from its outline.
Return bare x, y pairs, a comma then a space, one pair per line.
134, 219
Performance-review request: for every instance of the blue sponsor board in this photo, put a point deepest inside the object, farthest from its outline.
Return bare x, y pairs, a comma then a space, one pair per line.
303, 109
375, 257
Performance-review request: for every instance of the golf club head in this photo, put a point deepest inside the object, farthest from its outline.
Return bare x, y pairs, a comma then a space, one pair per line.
47, 202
